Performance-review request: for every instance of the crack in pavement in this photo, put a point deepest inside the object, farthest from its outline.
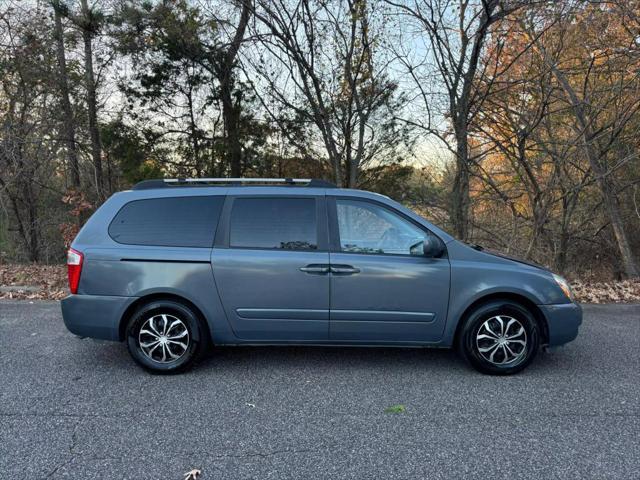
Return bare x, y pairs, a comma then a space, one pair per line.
72, 450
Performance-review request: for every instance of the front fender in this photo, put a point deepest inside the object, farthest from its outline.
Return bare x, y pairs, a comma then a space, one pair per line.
473, 280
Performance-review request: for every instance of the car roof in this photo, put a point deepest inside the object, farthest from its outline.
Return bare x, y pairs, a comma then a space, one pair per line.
174, 187
229, 182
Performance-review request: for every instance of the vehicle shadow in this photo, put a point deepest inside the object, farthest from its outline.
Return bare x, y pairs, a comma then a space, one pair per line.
237, 360
430, 360
284, 358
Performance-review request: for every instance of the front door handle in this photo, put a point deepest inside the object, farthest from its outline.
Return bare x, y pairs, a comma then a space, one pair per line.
317, 268
344, 269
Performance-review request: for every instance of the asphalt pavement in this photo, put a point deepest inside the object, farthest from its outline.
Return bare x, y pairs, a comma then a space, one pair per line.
81, 409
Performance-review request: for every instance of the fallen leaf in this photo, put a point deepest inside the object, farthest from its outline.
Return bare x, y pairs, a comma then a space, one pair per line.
192, 474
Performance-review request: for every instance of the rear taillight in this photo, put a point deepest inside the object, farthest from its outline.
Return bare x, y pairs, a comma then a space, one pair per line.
74, 268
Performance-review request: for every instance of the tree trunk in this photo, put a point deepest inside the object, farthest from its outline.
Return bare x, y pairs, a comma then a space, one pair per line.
613, 210
231, 117
561, 253
34, 238
460, 192
195, 143
231, 110
96, 149
68, 120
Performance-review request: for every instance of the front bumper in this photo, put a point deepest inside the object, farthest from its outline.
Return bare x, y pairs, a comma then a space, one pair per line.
563, 322
95, 316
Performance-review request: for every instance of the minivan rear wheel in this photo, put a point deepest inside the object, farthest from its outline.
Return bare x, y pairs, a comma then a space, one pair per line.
499, 338
164, 336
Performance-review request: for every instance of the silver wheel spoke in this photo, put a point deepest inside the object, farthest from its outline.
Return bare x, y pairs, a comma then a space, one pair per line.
488, 337
173, 342
154, 348
493, 355
487, 327
515, 335
164, 338
499, 319
506, 355
171, 354
180, 335
175, 323
152, 325
488, 349
511, 352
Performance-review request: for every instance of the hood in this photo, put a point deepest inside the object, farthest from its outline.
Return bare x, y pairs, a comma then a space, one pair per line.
507, 257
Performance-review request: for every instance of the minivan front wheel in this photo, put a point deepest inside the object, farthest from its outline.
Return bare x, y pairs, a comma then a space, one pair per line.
164, 336
499, 338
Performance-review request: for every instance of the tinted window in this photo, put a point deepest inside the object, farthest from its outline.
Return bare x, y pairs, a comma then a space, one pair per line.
281, 223
368, 228
169, 222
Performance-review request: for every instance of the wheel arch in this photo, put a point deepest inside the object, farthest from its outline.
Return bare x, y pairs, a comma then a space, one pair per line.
514, 297
146, 299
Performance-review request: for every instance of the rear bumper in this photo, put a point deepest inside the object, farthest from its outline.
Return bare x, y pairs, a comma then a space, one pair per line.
563, 322
94, 316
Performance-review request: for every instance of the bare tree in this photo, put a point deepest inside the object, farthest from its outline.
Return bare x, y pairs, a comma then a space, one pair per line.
231, 108
456, 34
318, 64
89, 23
509, 120
26, 150
601, 115
60, 10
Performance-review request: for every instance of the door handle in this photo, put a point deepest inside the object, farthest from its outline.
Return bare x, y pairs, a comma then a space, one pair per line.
319, 269
344, 269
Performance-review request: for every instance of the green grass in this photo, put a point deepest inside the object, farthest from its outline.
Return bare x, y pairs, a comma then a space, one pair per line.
395, 409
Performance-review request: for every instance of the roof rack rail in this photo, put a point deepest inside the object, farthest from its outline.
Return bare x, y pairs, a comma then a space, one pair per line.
207, 182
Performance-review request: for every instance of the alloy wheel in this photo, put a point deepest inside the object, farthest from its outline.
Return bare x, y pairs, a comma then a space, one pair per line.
502, 340
164, 338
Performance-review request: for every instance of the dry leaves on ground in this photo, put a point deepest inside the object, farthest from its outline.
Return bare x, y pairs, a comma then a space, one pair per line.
50, 281
51, 284
627, 291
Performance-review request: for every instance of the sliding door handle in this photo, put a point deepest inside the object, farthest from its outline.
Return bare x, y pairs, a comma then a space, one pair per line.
318, 269
344, 269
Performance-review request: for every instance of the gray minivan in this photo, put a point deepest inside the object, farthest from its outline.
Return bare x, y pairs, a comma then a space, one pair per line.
174, 266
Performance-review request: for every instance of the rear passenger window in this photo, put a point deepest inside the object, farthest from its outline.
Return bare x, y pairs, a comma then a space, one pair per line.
168, 222
277, 223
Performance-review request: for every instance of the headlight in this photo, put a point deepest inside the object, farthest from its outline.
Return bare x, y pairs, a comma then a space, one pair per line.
564, 286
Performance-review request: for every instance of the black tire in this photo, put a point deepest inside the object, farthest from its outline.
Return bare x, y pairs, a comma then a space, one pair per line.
172, 311
471, 340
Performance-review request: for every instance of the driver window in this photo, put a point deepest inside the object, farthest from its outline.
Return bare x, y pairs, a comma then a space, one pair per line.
368, 228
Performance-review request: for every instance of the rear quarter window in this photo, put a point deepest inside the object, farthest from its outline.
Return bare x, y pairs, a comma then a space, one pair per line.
168, 222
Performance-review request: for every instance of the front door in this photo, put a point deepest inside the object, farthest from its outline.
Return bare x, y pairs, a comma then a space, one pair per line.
383, 289
271, 268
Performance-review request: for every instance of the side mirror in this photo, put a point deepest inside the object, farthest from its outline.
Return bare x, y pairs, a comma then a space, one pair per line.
431, 247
